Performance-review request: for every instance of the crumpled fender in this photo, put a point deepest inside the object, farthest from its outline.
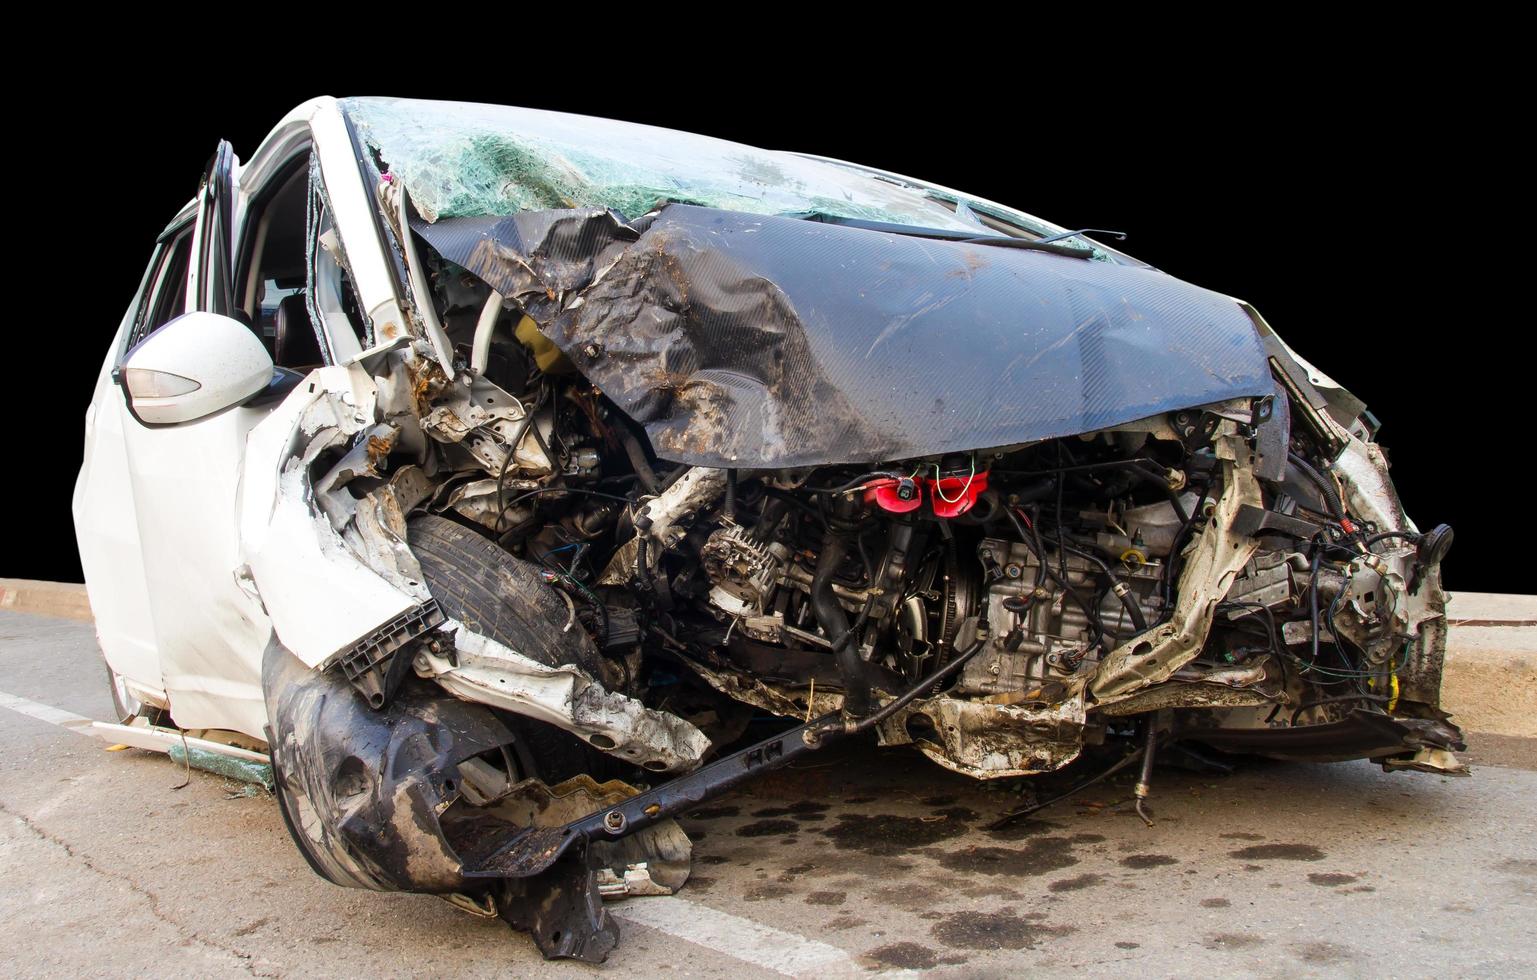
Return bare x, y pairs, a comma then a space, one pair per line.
319, 594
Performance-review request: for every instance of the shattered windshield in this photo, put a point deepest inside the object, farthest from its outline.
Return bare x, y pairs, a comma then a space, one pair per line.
463, 159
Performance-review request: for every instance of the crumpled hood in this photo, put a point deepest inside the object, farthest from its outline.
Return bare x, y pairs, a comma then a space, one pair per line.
761, 342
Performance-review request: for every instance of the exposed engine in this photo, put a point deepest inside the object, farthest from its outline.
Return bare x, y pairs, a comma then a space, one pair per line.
801, 590
1243, 564
868, 565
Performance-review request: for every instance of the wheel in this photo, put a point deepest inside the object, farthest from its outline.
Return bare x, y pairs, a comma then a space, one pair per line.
500, 596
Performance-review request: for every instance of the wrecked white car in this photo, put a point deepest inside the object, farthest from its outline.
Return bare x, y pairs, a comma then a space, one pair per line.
483, 465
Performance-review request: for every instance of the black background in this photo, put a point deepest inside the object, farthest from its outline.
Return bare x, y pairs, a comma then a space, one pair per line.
1362, 203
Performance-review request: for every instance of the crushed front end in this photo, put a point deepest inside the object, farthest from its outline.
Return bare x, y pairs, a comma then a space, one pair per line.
996, 504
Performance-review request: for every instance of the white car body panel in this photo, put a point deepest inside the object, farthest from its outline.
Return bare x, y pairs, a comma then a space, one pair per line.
108, 536
319, 595
209, 631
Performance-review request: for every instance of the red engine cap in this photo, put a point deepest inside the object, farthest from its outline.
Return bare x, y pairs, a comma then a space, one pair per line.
894, 496
953, 496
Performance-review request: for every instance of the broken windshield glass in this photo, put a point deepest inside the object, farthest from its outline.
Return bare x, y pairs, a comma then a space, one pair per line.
469, 160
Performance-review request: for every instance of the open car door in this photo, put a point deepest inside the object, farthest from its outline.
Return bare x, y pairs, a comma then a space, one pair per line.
209, 632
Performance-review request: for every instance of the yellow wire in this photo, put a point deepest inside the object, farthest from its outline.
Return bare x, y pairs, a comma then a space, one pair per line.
941, 494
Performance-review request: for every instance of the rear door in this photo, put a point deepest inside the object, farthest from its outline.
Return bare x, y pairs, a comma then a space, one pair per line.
208, 630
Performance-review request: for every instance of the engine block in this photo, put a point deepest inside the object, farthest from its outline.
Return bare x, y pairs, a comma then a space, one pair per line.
1051, 638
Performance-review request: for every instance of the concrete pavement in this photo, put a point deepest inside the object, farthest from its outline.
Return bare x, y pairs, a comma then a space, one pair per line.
861, 861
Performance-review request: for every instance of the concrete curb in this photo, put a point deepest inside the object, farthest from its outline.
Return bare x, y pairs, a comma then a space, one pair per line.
1490, 681
1490, 684
64, 600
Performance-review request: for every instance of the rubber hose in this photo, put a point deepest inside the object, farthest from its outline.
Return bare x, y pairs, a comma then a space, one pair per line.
835, 623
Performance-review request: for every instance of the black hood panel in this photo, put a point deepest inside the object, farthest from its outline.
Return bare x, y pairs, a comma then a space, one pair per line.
760, 342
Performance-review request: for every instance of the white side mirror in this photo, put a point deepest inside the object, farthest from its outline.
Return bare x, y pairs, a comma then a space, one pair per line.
196, 365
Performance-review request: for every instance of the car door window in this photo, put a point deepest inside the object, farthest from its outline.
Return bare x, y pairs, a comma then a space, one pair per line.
295, 291
166, 299
271, 276
332, 294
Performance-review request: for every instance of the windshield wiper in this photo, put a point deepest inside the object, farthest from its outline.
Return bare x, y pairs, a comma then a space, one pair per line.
1034, 244
946, 234
1049, 244
1119, 236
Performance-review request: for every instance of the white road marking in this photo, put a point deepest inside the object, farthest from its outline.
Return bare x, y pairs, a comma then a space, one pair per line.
752, 942
47, 712
743, 939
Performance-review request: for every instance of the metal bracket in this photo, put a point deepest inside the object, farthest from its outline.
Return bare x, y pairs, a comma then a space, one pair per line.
1195, 429
1261, 409
1309, 409
1251, 520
